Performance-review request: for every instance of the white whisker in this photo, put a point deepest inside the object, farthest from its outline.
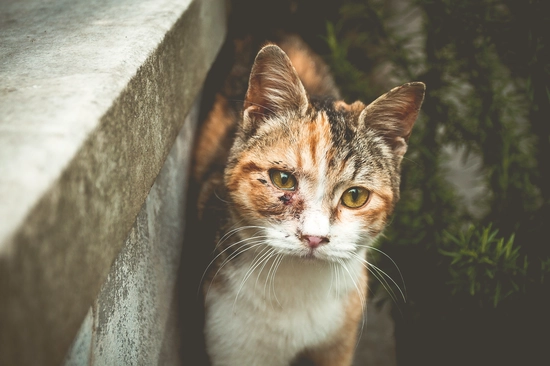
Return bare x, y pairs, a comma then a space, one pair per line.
271, 251
268, 279
240, 242
393, 262
381, 276
278, 262
362, 299
233, 232
238, 252
253, 265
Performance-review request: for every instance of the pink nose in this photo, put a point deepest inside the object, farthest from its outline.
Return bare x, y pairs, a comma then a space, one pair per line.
314, 241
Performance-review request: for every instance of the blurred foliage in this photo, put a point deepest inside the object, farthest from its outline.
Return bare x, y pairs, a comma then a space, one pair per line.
487, 69
481, 97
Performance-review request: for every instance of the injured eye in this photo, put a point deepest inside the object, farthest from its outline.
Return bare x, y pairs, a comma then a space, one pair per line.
283, 180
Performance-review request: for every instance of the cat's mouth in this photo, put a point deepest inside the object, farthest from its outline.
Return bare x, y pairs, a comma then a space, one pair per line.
308, 254
311, 255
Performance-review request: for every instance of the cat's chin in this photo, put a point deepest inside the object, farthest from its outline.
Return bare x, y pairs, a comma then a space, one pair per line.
304, 255
315, 256
312, 255
308, 259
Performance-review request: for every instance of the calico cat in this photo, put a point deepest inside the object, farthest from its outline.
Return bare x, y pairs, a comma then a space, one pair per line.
295, 186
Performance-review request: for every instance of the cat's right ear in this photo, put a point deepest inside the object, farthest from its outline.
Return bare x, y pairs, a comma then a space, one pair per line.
274, 87
394, 113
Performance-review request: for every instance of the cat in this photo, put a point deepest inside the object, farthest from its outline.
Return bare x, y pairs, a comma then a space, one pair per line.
295, 185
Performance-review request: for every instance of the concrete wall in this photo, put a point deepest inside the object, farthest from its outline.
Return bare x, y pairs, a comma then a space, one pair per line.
133, 321
93, 95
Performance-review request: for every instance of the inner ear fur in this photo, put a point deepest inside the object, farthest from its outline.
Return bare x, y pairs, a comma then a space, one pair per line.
393, 114
274, 86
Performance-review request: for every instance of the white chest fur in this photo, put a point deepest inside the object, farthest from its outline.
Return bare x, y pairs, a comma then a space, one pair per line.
268, 315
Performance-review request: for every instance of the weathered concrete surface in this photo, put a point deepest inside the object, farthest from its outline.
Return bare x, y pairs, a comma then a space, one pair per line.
92, 96
133, 316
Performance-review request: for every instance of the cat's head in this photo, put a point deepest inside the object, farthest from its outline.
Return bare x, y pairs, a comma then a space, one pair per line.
317, 178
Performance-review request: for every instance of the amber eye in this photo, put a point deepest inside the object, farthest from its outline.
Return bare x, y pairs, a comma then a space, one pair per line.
355, 197
282, 180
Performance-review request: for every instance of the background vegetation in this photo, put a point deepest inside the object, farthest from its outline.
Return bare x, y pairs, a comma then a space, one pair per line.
470, 234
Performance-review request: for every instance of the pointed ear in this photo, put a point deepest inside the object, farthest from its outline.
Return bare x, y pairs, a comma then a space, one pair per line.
394, 113
274, 86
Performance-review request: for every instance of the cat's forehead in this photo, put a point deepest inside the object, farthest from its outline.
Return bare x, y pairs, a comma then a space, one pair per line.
326, 139
296, 142
342, 119
336, 112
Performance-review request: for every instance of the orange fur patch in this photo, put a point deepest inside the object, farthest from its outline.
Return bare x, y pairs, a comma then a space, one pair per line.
311, 69
213, 131
356, 107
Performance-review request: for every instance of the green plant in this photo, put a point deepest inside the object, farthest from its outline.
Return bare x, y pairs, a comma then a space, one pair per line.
487, 267
486, 64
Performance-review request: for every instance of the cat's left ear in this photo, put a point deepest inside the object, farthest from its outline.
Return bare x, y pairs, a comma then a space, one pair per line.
274, 86
394, 114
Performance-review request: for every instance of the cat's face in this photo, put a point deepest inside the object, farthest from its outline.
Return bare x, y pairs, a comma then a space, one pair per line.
316, 179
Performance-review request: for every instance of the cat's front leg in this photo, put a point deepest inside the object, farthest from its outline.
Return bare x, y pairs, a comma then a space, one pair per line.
239, 337
340, 349
232, 353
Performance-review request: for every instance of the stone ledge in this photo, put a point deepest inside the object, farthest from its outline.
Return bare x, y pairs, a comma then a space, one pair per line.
92, 96
136, 319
